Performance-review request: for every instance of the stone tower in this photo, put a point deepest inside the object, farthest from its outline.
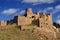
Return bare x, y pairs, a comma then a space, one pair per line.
49, 19
41, 20
45, 20
29, 12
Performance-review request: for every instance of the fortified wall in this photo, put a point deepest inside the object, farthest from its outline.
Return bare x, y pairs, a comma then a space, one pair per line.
3, 23
38, 18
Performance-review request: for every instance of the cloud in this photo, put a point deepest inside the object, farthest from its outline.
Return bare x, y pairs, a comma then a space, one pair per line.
22, 11
52, 10
57, 7
48, 10
58, 21
58, 17
38, 1
10, 11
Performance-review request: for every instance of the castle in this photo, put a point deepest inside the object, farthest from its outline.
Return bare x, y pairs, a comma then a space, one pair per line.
38, 18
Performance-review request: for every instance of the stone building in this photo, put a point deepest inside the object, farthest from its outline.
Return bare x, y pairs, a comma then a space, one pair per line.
38, 18
3, 23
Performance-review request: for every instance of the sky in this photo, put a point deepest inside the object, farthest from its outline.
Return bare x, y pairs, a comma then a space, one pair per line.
10, 8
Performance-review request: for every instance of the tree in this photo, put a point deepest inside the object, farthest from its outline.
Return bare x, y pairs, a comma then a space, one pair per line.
56, 24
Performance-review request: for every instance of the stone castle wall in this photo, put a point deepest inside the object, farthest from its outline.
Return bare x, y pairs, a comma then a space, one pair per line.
38, 18
3, 23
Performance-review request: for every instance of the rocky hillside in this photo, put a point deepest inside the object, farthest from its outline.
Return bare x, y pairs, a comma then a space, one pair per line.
31, 33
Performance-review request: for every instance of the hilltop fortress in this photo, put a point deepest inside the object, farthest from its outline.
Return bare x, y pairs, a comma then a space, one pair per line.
43, 25
38, 18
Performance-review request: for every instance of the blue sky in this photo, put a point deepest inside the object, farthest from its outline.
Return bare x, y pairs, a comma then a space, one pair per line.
10, 8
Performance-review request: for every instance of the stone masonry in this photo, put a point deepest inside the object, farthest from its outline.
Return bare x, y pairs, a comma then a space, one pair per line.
39, 18
3, 23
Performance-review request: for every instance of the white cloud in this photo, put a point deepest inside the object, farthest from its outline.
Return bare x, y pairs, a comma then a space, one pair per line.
58, 21
58, 17
57, 7
48, 10
52, 10
38, 1
30, 1
9, 11
22, 11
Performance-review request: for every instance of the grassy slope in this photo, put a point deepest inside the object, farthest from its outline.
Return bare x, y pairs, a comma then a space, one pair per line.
16, 34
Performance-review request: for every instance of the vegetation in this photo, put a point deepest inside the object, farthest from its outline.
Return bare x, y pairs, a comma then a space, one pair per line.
32, 24
14, 33
56, 24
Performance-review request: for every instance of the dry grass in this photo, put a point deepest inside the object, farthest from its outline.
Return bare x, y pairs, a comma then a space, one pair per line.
15, 34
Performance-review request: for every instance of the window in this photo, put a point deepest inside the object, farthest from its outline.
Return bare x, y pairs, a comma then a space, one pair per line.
40, 16
46, 23
41, 26
41, 23
33, 16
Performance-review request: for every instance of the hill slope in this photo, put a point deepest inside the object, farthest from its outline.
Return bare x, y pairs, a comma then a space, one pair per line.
14, 33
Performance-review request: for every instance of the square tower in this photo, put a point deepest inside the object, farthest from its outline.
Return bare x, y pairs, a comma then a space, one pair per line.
29, 12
